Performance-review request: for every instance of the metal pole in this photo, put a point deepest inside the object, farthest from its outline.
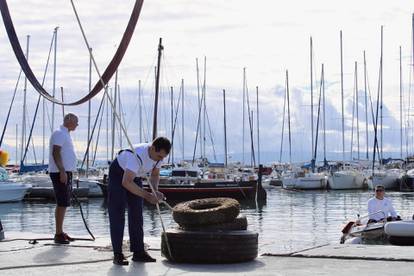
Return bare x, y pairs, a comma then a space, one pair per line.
381, 92
172, 123
257, 120
54, 79
357, 107
243, 110
366, 105
311, 85
157, 88
342, 102
401, 103
89, 110
24, 103
140, 111
225, 129
182, 116
288, 105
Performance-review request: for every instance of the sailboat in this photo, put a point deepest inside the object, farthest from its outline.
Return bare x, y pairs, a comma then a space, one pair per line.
348, 177
300, 178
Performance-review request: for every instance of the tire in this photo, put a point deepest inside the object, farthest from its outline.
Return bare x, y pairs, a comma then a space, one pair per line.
239, 223
209, 247
206, 211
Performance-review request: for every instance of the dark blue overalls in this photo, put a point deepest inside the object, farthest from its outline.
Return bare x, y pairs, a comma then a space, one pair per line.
118, 199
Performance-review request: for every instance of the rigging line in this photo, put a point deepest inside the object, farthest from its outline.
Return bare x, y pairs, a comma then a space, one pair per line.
142, 90
10, 107
108, 73
150, 184
177, 107
211, 137
97, 137
250, 122
283, 126
93, 130
372, 107
38, 103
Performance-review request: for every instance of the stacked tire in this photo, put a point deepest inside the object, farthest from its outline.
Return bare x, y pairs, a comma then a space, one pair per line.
210, 231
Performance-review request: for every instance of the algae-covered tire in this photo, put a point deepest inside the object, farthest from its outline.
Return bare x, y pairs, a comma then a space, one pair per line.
239, 223
209, 247
206, 211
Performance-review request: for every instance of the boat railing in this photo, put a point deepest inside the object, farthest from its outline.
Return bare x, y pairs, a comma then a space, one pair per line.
370, 214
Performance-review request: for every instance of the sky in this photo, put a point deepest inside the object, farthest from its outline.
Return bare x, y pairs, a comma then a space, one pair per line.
265, 37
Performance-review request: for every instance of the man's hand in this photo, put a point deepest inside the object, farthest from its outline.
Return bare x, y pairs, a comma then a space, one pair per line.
159, 195
151, 198
63, 177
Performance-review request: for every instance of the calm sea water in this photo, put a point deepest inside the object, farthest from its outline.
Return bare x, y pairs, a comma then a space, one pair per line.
289, 220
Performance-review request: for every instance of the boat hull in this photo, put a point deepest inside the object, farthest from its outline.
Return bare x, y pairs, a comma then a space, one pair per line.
12, 192
346, 181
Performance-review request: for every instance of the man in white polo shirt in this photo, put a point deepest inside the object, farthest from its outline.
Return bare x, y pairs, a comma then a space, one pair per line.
125, 190
380, 208
62, 162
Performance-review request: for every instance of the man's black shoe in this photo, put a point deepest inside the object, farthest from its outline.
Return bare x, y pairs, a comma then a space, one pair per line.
61, 239
143, 257
119, 259
68, 237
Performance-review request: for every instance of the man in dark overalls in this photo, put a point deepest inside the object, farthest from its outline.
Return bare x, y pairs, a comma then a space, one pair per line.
125, 190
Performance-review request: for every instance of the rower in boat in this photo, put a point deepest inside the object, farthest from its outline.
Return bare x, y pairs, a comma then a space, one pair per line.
380, 208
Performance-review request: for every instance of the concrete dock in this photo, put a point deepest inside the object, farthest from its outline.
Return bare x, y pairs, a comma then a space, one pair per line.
19, 257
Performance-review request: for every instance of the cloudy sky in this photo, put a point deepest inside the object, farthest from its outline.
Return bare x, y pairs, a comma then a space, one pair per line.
265, 37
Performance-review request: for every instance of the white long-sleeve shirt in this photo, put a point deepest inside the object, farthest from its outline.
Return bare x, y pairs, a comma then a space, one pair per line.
385, 206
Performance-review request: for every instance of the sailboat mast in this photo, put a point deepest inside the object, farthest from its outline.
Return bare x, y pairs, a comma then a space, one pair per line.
342, 102
140, 111
366, 106
204, 107
311, 86
182, 116
199, 103
257, 120
89, 109
381, 93
115, 97
243, 110
324, 119
24, 103
225, 128
172, 121
283, 127
401, 103
288, 106
54, 79
357, 107
157, 88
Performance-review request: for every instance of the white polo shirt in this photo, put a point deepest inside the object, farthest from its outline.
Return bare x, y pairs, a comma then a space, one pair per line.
61, 137
127, 160
380, 209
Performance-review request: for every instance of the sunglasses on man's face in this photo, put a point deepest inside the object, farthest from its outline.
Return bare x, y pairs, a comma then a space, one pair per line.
379, 191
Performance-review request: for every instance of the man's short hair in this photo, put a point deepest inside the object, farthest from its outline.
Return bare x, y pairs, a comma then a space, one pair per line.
70, 117
379, 187
162, 143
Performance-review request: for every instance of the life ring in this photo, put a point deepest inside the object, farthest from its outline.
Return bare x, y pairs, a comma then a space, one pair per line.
209, 247
239, 223
206, 211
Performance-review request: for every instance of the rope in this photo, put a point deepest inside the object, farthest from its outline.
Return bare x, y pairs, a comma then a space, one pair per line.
117, 116
37, 105
108, 73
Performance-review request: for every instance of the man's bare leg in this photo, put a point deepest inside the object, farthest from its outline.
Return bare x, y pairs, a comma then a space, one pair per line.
59, 217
